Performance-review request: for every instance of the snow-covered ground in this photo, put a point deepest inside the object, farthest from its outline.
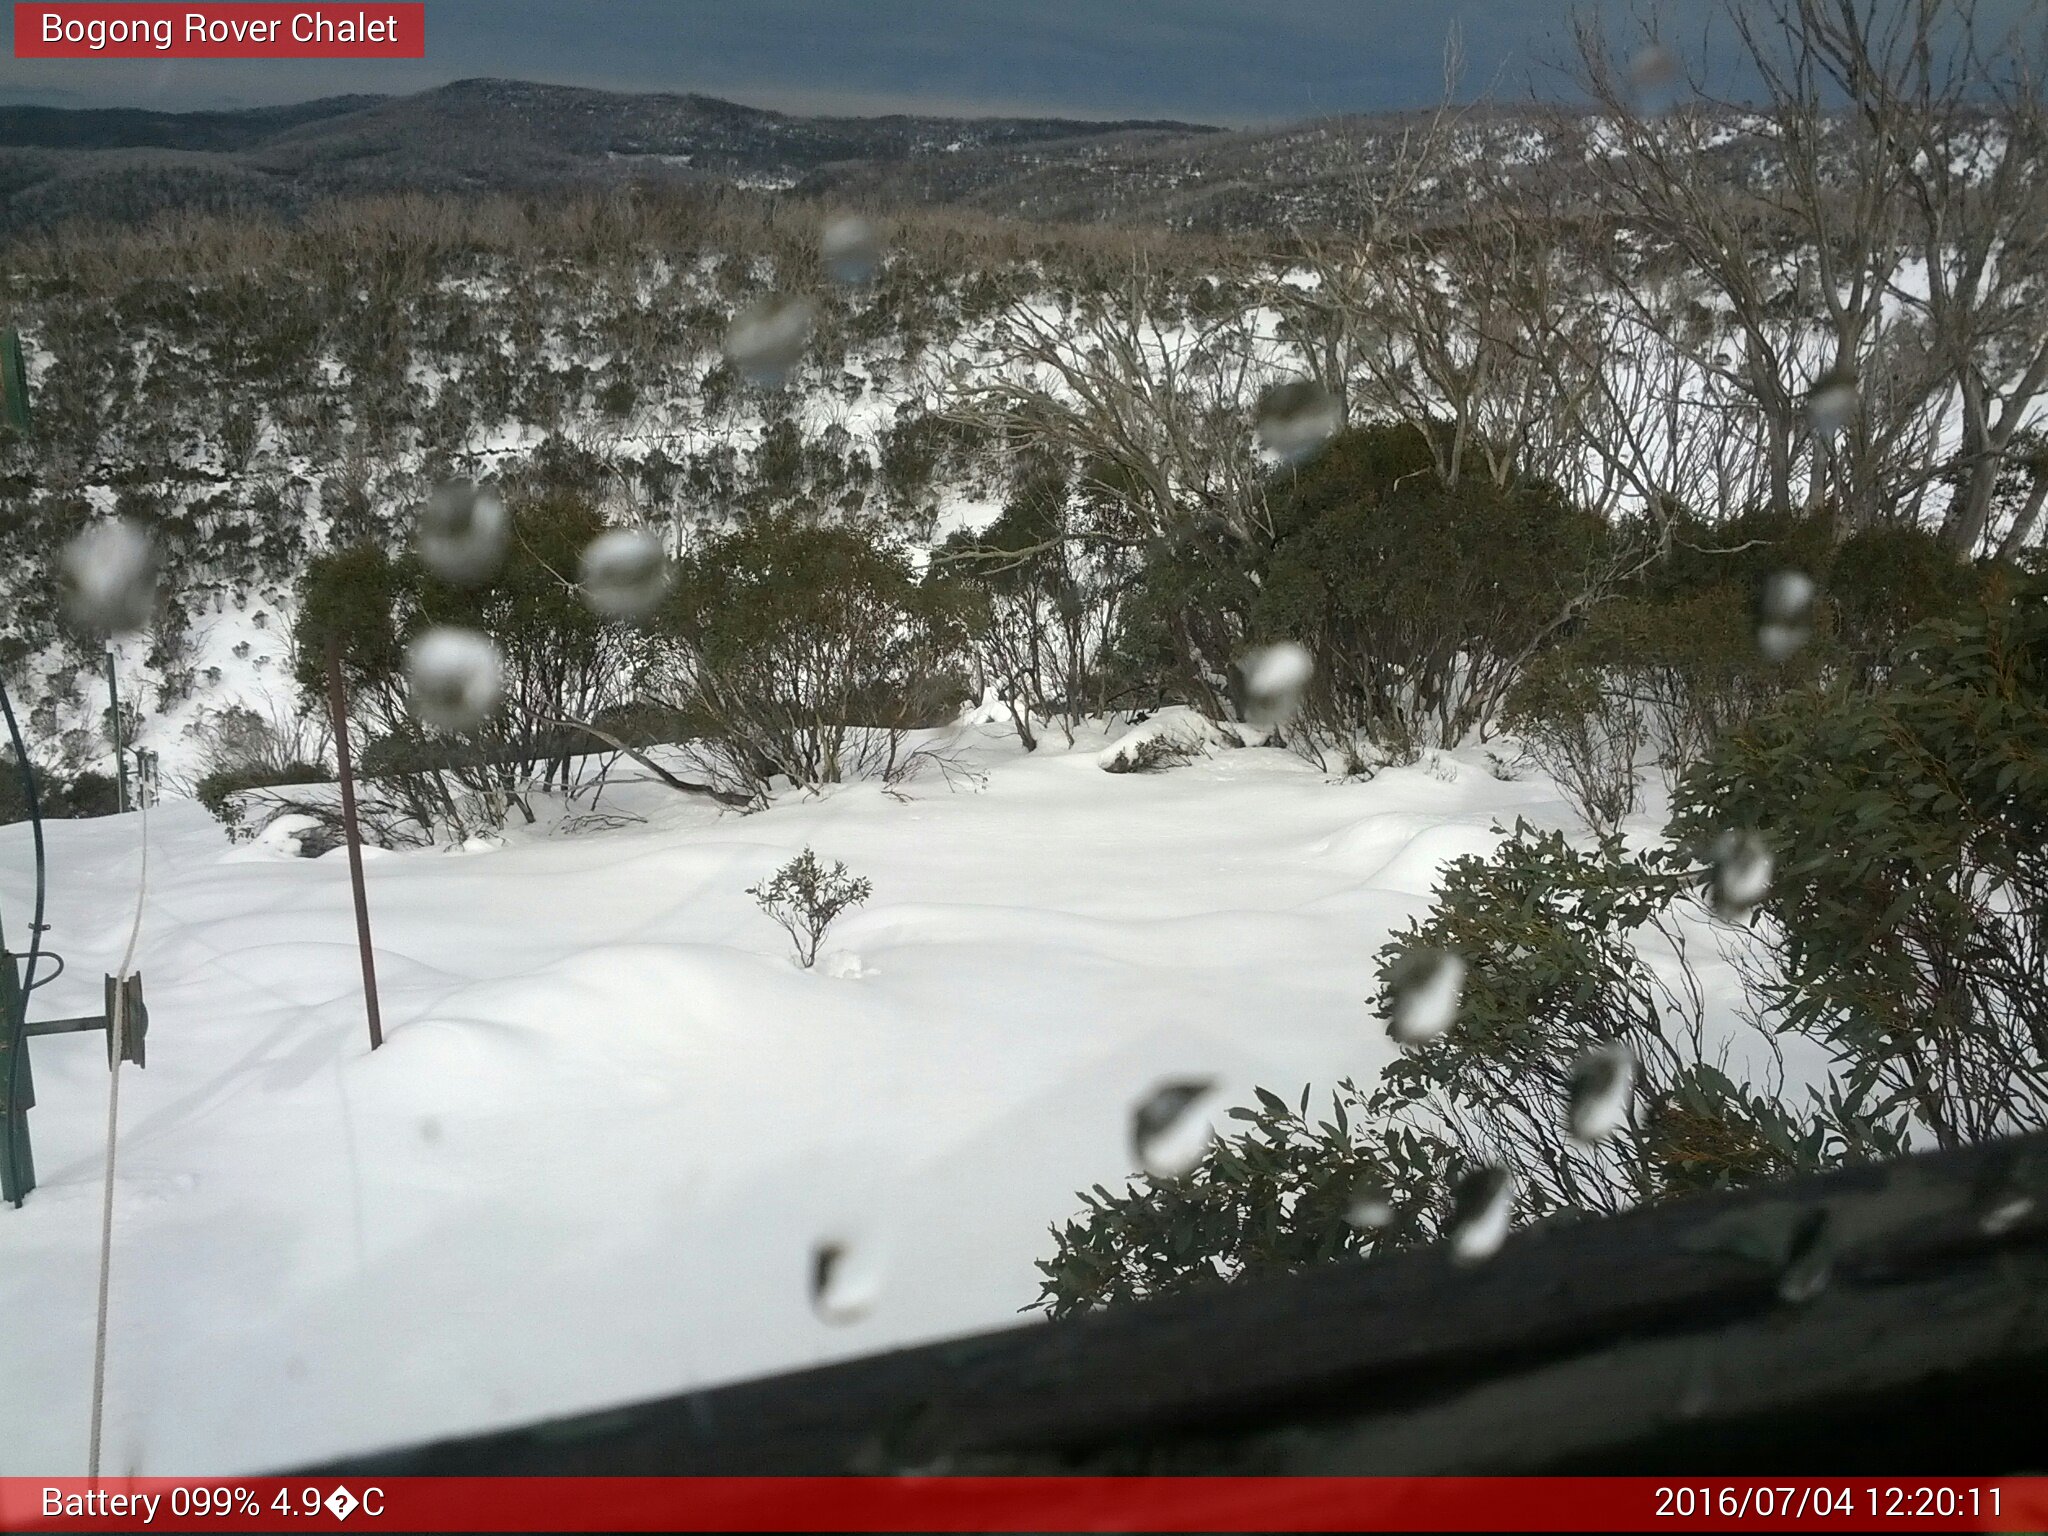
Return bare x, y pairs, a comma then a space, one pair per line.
612, 1119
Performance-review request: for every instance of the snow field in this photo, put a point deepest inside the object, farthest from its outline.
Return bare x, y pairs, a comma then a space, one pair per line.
612, 1119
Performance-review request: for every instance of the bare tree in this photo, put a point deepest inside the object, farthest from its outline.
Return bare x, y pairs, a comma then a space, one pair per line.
1150, 402
1872, 223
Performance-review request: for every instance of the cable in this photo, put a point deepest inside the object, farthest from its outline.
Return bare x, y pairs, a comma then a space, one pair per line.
17, 1027
119, 1024
54, 975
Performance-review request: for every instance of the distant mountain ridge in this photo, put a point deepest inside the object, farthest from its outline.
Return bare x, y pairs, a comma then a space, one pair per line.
31, 127
490, 135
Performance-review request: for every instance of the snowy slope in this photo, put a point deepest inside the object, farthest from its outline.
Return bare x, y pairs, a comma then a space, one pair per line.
612, 1118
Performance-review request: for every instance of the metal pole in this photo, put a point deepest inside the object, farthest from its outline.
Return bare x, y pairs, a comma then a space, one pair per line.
120, 758
17, 1088
337, 705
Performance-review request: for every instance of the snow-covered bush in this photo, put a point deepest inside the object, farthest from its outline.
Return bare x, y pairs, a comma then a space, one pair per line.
804, 897
1165, 740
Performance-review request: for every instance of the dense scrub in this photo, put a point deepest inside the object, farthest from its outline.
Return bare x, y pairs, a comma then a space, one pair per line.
1875, 850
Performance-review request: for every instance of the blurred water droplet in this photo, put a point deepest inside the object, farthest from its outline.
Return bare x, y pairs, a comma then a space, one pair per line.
624, 574
1738, 875
1831, 404
1296, 421
846, 1279
767, 339
464, 531
852, 249
1810, 1263
1169, 1130
2002, 1198
1602, 1081
1653, 78
110, 574
430, 1131
455, 678
1424, 987
1482, 1206
1999, 1216
1785, 614
1274, 677
1371, 1206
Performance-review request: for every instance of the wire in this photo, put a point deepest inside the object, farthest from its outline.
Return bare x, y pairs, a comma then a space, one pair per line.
18, 1026
118, 1024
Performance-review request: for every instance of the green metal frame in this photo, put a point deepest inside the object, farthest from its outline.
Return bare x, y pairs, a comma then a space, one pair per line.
13, 382
127, 1032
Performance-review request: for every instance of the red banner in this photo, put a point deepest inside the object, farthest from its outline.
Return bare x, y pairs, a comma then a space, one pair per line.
214, 31
1024, 1504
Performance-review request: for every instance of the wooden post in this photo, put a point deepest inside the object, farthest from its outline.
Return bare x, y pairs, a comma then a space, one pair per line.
337, 705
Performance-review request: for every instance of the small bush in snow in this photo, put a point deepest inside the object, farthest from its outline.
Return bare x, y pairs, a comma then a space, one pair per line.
805, 897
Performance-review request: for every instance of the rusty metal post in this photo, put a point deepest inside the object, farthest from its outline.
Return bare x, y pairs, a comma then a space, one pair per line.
337, 705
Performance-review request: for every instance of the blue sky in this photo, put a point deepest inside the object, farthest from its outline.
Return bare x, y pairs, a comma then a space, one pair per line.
1225, 61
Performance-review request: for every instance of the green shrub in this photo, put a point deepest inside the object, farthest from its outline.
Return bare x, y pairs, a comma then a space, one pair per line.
1280, 1195
1041, 607
1910, 830
220, 792
1905, 930
84, 794
1419, 601
805, 898
806, 651
560, 661
1886, 580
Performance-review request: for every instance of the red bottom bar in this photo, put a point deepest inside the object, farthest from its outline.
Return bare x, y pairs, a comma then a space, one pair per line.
1023, 1504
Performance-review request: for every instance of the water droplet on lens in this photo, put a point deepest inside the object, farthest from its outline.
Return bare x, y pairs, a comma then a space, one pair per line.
852, 249
624, 573
464, 532
1169, 1130
1785, 614
1997, 1217
1810, 1262
1600, 1091
1424, 987
455, 678
1274, 677
1296, 421
1371, 1206
1831, 404
846, 1279
1738, 875
1482, 1206
767, 339
2003, 1197
1279, 668
110, 575
1653, 77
